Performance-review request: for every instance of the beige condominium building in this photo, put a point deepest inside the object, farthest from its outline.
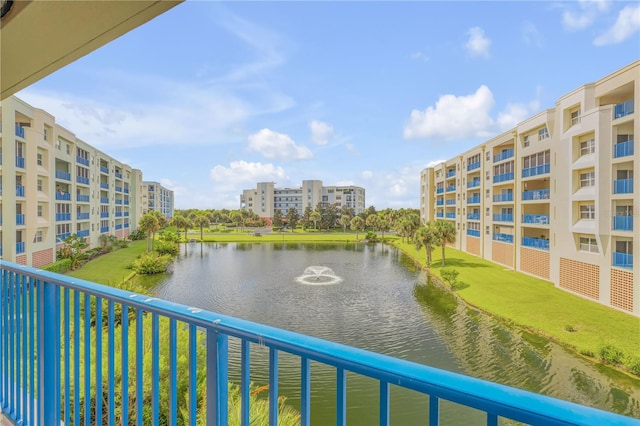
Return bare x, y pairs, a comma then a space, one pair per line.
55, 185
156, 197
265, 199
555, 197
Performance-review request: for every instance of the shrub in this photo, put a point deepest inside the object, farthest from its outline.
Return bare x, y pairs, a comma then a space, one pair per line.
151, 263
634, 366
138, 234
60, 267
569, 328
166, 247
450, 276
610, 354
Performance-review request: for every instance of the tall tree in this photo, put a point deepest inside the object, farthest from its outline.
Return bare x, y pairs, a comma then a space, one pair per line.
201, 221
180, 222
446, 233
357, 224
315, 218
149, 224
382, 224
372, 221
306, 217
292, 218
277, 219
345, 220
426, 237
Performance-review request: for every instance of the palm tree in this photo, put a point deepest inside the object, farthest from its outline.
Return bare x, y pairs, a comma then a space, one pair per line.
426, 237
345, 220
201, 222
372, 221
446, 233
149, 224
315, 218
357, 224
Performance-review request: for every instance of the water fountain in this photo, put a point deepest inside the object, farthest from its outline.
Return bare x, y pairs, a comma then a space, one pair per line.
318, 275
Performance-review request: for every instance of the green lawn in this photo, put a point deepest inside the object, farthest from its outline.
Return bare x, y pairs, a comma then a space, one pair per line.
112, 267
536, 304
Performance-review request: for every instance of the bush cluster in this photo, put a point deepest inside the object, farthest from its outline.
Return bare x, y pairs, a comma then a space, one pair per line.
151, 263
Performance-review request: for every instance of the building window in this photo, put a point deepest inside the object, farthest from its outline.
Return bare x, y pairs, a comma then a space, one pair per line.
624, 247
587, 147
587, 211
38, 237
39, 185
525, 141
40, 210
588, 244
58, 144
487, 230
575, 117
543, 134
45, 133
587, 179
488, 155
39, 155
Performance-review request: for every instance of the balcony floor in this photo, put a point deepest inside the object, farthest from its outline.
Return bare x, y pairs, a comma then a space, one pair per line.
4, 421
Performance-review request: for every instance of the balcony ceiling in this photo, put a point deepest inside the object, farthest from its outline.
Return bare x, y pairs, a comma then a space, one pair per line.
40, 37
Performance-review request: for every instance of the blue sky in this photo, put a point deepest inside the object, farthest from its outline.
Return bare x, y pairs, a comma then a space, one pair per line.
212, 97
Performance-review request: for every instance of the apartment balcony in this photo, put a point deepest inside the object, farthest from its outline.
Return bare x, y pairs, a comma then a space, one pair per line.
450, 215
537, 243
118, 226
20, 162
451, 188
623, 149
63, 175
118, 201
623, 109
118, 189
536, 219
19, 131
63, 196
623, 186
503, 198
473, 166
439, 190
535, 171
19, 190
126, 214
450, 174
104, 229
126, 190
503, 177
623, 223
61, 237
83, 216
82, 180
503, 238
503, 156
118, 214
61, 217
473, 184
104, 214
81, 160
473, 200
503, 217
20, 247
51, 332
83, 234
622, 260
20, 219
104, 200
538, 194
82, 198
473, 216
450, 202
440, 214
439, 202
126, 225
118, 175
473, 233
104, 169
104, 185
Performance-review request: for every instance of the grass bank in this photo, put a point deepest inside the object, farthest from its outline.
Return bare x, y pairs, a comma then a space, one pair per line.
539, 306
110, 268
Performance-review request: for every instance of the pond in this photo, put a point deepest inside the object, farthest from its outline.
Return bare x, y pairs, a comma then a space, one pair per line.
375, 298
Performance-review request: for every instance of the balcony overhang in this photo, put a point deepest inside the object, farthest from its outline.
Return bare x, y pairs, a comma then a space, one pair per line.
40, 37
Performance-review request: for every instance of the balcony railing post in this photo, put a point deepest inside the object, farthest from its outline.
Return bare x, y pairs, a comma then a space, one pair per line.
48, 373
217, 378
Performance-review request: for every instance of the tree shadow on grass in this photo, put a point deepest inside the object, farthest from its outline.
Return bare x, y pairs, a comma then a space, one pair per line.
457, 263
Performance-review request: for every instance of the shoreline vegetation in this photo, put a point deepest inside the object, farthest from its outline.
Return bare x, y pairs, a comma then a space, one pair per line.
596, 332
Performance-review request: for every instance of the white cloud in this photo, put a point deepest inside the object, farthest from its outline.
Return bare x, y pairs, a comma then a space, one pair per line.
395, 188
627, 24
178, 190
453, 117
419, 56
478, 44
588, 11
514, 113
321, 132
530, 35
434, 163
352, 149
274, 145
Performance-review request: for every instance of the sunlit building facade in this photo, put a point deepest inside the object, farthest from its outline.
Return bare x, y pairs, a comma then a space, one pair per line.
156, 197
555, 197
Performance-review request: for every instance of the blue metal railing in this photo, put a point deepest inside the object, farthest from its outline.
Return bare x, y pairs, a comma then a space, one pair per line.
623, 260
82, 160
473, 183
126, 202
450, 173
450, 215
450, 202
82, 198
83, 216
503, 238
473, 200
473, 216
439, 202
540, 219
503, 177
104, 185
118, 201
623, 186
19, 190
506, 197
503, 156
439, 214
118, 175
473, 166
63, 175
126, 190
451, 188
623, 149
538, 243
126, 225
538, 194
623, 223
118, 214
63, 216
104, 229
118, 226
104, 169
126, 214
537, 170
44, 315
61, 237
82, 180
63, 196
104, 214
20, 247
104, 200
19, 131
83, 234
20, 219
503, 217
118, 189
439, 190
20, 162
473, 232
623, 109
